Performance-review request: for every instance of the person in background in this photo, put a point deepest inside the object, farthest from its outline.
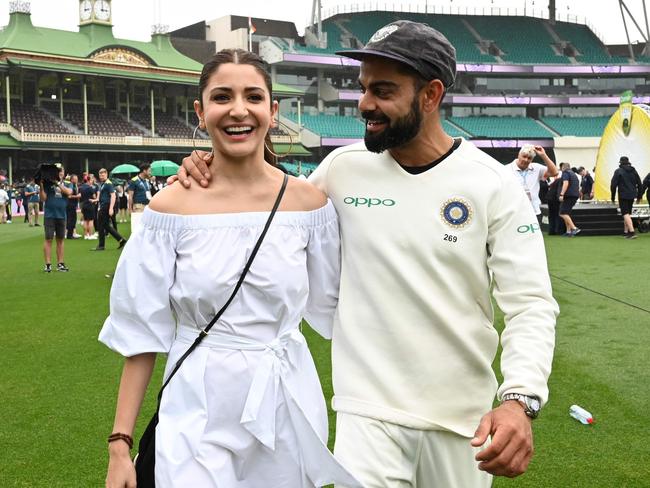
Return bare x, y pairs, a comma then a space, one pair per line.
586, 184
530, 174
54, 194
627, 182
568, 196
32, 196
122, 204
4, 199
88, 200
556, 225
107, 199
72, 182
646, 188
10, 198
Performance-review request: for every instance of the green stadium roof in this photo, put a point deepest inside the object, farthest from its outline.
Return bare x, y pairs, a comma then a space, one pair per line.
20, 35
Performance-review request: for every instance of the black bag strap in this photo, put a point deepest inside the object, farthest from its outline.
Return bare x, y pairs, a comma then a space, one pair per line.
207, 328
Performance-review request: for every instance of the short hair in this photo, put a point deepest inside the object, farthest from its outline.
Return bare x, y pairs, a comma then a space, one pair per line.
528, 150
103, 170
564, 166
144, 167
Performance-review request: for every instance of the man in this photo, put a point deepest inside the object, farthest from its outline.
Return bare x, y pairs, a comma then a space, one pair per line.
54, 195
426, 221
71, 209
4, 201
106, 211
646, 187
531, 174
139, 191
628, 184
569, 193
586, 184
32, 196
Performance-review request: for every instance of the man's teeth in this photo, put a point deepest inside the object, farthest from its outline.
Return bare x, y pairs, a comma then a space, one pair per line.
238, 130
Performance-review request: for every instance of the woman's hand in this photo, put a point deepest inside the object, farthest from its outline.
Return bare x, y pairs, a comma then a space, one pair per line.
121, 472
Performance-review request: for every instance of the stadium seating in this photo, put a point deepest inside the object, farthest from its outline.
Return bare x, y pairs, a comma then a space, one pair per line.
296, 168
577, 126
33, 119
166, 125
331, 125
101, 121
523, 40
452, 130
591, 49
502, 127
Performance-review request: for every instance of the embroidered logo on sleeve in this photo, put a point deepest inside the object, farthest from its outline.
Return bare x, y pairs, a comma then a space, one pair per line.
456, 213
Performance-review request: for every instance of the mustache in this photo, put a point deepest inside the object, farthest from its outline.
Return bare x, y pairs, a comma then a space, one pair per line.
367, 115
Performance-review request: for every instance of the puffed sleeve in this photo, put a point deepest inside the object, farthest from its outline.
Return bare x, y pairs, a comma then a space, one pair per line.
141, 318
324, 270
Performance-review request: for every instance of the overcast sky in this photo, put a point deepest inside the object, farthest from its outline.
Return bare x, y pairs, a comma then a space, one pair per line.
132, 19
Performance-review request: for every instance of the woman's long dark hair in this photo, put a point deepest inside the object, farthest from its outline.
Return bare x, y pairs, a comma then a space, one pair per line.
239, 56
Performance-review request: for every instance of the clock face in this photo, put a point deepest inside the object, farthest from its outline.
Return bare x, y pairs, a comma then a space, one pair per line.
102, 10
85, 9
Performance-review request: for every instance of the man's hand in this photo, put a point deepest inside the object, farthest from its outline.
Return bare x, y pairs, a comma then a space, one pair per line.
539, 150
561, 198
110, 212
195, 166
511, 448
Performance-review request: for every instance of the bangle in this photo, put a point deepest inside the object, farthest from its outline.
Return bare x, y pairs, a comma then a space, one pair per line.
118, 436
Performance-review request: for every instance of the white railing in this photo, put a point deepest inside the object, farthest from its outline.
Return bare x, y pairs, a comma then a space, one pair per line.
432, 8
23, 136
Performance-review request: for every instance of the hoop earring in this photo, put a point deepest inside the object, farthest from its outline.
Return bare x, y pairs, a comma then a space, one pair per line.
290, 142
198, 126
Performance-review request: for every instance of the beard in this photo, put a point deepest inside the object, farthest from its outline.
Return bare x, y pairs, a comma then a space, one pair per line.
398, 133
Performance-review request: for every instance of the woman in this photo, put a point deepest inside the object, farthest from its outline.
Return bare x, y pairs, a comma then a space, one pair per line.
87, 203
245, 409
122, 203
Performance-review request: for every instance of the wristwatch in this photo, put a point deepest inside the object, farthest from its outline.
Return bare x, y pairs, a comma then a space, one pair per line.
531, 404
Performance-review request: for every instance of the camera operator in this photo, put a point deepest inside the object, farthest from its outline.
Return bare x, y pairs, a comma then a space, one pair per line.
107, 209
54, 194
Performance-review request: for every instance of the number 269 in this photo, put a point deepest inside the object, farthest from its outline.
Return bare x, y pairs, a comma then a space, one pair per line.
450, 238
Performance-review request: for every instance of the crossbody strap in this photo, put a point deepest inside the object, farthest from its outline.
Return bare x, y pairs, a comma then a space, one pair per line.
207, 328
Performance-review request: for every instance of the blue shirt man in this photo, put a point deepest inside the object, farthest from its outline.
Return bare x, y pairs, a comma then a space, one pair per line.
106, 188
56, 202
139, 189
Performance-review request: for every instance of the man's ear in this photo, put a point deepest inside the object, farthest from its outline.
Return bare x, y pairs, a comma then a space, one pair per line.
433, 93
199, 113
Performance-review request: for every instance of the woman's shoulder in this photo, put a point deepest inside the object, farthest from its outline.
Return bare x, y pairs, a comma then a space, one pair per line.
302, 195
167, 199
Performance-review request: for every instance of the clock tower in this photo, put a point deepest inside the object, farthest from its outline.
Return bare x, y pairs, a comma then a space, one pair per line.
95, 12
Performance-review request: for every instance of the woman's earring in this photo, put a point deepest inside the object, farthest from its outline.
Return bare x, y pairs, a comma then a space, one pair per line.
194, 138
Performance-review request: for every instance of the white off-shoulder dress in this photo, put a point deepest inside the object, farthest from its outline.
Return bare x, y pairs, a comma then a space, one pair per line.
245, 409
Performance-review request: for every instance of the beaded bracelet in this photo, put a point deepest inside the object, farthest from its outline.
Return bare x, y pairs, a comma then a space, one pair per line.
118, 436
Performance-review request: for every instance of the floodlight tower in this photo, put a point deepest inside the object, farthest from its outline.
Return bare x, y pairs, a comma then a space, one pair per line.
645, 35
316, 19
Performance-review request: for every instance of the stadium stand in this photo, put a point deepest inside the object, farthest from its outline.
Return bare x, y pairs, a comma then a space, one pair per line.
577, 126
101, 121
33, 119
502, 127
166, 125
591, 49
454, 131
523, 40
331, 125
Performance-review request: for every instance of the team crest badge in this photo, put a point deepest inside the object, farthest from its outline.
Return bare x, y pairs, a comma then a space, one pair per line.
383, 33
456, 213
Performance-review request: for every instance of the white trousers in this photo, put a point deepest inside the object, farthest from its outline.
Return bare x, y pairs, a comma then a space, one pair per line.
384, 455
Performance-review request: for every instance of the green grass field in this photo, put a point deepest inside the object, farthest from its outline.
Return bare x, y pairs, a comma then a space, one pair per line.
58, 384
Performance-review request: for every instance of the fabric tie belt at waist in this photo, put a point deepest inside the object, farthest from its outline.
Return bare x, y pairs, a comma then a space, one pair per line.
271, 374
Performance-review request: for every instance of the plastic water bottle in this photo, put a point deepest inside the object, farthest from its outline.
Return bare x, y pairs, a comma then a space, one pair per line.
581, 415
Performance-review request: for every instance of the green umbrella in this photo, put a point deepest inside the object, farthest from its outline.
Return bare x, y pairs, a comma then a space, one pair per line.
125, 168
164, 168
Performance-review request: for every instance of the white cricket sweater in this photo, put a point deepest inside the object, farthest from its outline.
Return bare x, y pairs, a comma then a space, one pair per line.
413, 340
